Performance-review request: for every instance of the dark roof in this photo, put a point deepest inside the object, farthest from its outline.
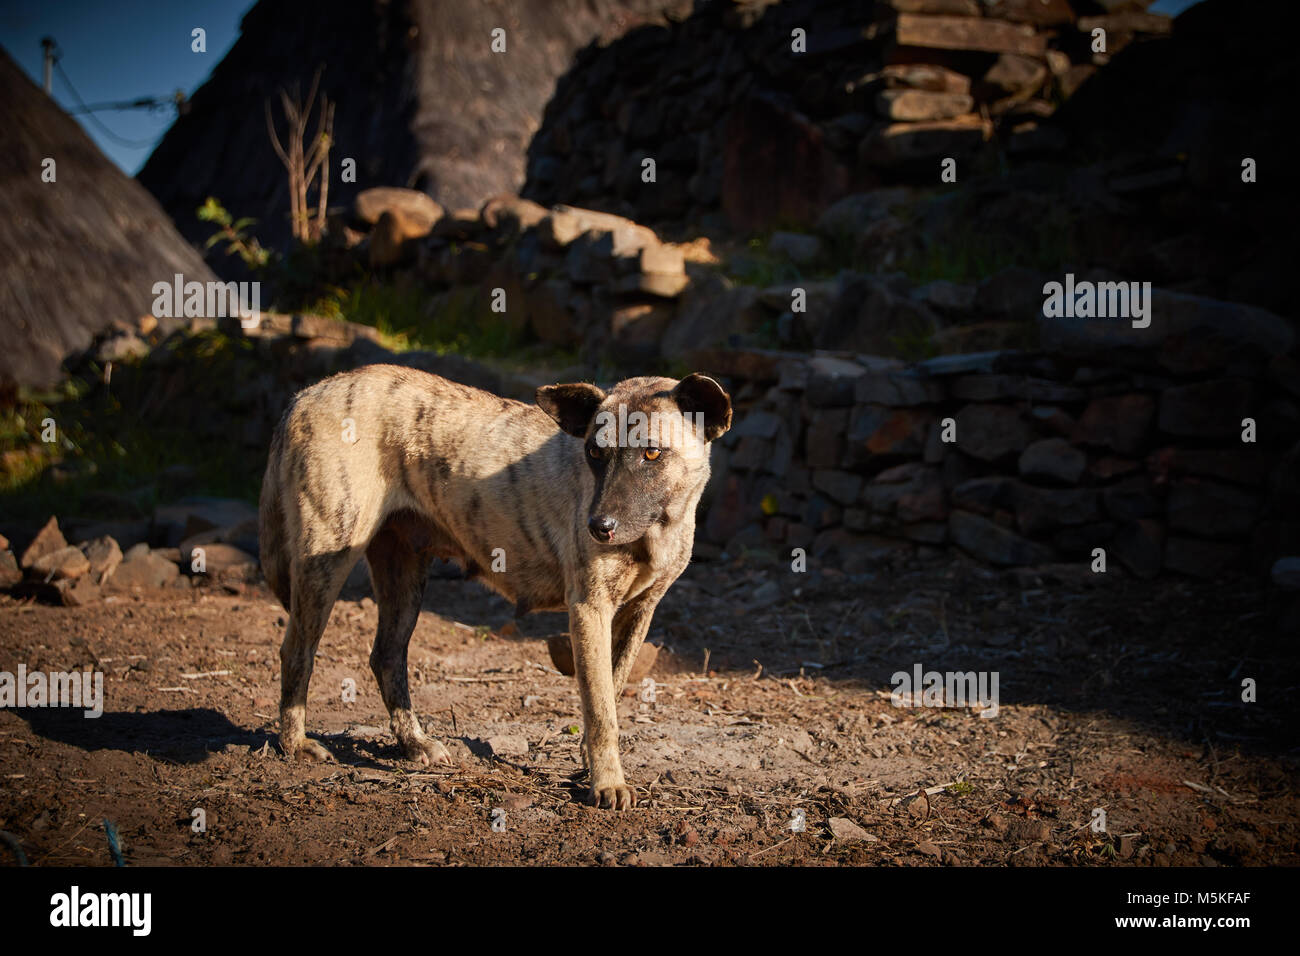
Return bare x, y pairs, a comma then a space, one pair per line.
77, 253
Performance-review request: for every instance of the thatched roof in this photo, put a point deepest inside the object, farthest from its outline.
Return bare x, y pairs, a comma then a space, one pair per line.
77, 253
421, 99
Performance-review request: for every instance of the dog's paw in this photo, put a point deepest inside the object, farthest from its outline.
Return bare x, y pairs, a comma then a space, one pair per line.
617, 796
310, 750
427, 752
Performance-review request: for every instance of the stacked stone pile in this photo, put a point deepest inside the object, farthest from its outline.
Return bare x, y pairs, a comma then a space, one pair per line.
574, 277
768, 111
613, 289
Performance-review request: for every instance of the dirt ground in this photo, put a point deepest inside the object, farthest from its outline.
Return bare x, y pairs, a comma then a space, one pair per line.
771, 705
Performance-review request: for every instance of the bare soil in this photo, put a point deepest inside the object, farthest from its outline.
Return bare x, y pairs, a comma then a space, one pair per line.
771, 704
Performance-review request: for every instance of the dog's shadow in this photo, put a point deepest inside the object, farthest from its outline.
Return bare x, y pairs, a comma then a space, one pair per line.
387, 756
189, 737
177, 736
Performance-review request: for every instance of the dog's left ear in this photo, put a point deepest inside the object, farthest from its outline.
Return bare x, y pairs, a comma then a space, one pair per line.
699, 394
572, 406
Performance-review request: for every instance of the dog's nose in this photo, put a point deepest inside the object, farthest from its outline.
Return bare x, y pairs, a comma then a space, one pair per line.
602, 527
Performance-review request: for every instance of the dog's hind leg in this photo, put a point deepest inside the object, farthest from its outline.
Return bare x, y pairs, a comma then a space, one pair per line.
397, 571
316, 583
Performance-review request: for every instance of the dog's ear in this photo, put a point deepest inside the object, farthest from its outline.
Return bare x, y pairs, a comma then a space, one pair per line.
572, 406
699, 394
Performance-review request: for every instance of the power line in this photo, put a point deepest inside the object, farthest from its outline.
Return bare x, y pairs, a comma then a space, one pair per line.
121, 141
144, 102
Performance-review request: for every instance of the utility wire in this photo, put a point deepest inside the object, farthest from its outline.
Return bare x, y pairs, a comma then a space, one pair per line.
149, 102
121, 141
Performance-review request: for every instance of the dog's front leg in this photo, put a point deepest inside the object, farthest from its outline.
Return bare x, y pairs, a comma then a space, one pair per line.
589, 627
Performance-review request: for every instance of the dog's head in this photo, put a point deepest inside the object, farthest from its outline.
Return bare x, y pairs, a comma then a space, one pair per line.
647, 444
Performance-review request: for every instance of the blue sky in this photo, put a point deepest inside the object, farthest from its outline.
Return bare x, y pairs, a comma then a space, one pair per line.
114, 51
123, 50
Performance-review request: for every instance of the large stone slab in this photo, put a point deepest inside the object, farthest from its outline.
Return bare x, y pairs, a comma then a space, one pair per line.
1013, 75
1042, 13
925, 76
991, 388
985, 495
47, 541
956, 8
990, 541
907, 142
876, 431
65, 563
966, 362
898, 387
1128, 21
1172, 313
1053, 458
967, 33
1120, 422
910, 493
567, 223
992, 432
915, 105
1040, 510
1210, 509
415, 208
142, 568
831, 381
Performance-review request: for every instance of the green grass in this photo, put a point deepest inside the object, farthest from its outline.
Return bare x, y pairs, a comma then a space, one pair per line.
410, 316
115, 442
758, 266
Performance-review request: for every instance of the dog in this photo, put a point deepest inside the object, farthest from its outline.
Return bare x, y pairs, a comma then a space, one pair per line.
555, 506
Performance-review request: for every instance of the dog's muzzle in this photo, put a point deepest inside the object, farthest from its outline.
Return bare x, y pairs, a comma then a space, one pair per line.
602, 528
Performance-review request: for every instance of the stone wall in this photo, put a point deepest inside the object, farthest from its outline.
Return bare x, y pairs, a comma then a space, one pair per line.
1181, 455
1018, 458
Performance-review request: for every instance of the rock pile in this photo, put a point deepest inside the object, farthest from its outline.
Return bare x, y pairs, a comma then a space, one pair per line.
769, 111
611, 287
571, 277
198, 541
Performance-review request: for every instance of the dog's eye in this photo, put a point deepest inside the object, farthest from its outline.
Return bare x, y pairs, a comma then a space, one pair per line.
594, 452
652, 453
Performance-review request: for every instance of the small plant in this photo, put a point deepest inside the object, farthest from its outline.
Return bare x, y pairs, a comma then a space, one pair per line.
234, 232
305, 158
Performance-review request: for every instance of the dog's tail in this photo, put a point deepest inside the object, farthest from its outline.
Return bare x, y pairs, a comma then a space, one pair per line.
271, 532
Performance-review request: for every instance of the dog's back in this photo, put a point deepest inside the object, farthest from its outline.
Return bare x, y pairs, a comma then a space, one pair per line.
465, 474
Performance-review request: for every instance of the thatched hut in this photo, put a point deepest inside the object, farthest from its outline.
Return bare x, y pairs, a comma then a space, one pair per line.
75, 253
